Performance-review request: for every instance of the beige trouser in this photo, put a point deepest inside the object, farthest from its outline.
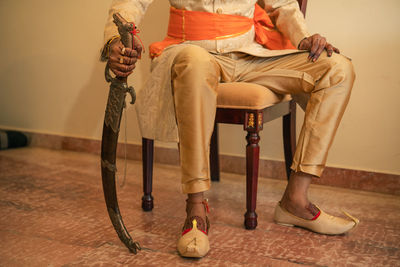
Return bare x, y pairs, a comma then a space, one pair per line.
326, 84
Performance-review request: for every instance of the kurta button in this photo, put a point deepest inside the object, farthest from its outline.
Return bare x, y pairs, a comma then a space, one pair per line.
219, 11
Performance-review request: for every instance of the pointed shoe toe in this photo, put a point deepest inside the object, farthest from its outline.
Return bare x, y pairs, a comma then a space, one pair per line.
324, 224
194, 243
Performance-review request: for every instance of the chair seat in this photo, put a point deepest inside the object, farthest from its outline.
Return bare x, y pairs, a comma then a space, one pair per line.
242, 95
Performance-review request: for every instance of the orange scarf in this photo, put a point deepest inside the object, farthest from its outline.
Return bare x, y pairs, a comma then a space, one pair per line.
187, 25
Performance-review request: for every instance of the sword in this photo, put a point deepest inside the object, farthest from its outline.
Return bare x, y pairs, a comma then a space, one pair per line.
111, 126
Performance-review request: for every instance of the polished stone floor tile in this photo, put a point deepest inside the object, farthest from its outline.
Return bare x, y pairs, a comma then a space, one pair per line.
52, 213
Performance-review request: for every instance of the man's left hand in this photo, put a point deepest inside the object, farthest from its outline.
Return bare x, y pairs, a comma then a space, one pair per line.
315, 44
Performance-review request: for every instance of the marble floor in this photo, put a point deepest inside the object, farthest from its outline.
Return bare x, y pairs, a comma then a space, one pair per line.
52, 213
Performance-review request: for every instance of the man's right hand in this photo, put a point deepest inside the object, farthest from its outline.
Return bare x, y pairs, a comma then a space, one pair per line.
122, 61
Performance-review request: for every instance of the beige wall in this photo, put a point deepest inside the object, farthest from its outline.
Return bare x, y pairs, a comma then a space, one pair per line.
51, 80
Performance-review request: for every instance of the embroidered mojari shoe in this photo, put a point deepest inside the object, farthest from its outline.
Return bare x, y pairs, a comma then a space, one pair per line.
194, 240
322, 223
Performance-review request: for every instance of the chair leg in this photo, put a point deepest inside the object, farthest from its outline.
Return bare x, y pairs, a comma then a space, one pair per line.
252, 160
289, 136
147, 156
214, 155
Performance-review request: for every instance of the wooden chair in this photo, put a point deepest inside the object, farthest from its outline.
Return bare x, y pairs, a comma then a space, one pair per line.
258, 106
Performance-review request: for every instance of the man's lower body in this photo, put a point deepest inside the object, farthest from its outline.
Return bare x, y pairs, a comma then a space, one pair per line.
326, 84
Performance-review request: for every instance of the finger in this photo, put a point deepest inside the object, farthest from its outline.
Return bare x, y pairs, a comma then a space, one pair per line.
312, 50
116, 48
131, 52
129, 57
329, 49
124, 68
305, 44
139, 50
113, 59
121, 66
337, 51
118, 73
126, 51
314, 46
138, 47
321, 47
318, 42
121, 60
121, 74
130, 60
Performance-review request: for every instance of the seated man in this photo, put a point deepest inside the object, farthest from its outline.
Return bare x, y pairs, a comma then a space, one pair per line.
178, 103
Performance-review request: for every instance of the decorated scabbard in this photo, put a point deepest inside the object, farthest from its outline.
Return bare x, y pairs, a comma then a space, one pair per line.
112, 120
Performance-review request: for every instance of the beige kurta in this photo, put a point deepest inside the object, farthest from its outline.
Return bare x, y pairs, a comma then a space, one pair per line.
154, 105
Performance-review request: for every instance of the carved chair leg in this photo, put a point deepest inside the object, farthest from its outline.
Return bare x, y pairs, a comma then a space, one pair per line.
252, 160
289, 136
147, 156
214, 155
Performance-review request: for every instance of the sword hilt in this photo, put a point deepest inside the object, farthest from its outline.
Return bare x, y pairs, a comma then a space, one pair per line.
125, 30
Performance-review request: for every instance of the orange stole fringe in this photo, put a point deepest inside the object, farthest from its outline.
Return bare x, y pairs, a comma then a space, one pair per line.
187, 25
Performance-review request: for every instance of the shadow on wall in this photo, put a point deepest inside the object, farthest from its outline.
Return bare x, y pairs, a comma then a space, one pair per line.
87, 113
85, 117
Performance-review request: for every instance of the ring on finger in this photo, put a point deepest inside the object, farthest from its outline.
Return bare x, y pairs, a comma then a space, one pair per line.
121, 60
123, 51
